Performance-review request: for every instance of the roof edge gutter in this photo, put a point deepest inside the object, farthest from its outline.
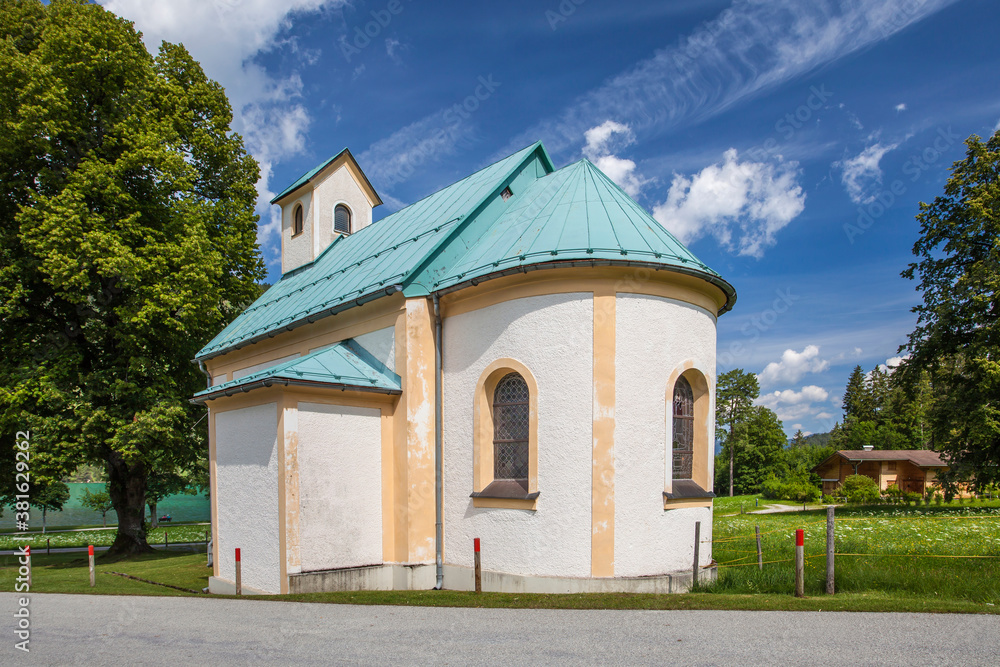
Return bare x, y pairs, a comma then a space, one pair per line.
717, 281
287, 382
309, 319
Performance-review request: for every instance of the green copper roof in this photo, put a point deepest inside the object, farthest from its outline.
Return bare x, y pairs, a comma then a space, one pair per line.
576, 213
468, 231
345, 364
308, 176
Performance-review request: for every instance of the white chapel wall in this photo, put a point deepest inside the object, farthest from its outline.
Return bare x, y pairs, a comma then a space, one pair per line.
246, 451
553, 336
654, 337
340, 486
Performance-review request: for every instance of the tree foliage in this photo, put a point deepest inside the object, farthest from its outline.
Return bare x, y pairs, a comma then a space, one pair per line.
957, 337
860, 489
756, 447
99, 502
48, 497
735, 393
127, 239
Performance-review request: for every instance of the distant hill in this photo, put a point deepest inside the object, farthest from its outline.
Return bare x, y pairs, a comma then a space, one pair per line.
818, 439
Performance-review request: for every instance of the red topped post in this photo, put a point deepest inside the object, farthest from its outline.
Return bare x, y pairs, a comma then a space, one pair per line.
800, 563
479, 566
239, 580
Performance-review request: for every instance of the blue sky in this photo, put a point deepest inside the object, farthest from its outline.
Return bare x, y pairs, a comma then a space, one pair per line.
788, 143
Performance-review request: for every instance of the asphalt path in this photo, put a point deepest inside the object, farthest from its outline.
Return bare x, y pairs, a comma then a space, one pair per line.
113, 630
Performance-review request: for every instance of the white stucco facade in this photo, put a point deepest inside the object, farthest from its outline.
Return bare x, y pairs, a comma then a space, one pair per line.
339, 187
381, 344
655, 337
247, 495
297, 249
250, 370
340, 478
553, 337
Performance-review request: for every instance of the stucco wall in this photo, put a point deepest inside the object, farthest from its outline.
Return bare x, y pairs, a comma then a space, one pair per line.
247, 463
339, 187
381, 344
340, 486
250, 370
654, 337
296, 251
553, 337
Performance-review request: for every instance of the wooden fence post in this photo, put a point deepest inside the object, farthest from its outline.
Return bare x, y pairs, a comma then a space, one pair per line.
48, 546
829, 551
800, 564
479, 567
166, 539
697, 546
90, 557
760, 553
239, 583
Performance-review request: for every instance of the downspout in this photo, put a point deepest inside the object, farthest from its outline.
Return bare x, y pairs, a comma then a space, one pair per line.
201, 365
438, 450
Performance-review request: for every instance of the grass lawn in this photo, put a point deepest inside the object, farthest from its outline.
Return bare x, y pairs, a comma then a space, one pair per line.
69, 573
947, 553
890, 578
103, 537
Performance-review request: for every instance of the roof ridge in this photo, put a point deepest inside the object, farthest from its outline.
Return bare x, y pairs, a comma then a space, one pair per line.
420, 266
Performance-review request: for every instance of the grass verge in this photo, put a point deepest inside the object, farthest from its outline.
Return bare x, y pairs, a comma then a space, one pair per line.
895, 575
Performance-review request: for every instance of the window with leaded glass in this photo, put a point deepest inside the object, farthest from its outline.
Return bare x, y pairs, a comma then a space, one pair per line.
342, 219
510, 428
683, 413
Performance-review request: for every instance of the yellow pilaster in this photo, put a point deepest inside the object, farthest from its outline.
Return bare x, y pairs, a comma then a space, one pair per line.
289, 542
413, 442
602, 541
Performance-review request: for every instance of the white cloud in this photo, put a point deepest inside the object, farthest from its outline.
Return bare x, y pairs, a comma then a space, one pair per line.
892, 363
224, 36
602, 140
394, 159
392, 49
793, 366
742, 204
750, 47
791, 405
901, 107
862, 174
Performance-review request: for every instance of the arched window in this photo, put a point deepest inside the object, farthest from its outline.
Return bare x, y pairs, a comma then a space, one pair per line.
510, 429
297, 220
683, 412
342, 219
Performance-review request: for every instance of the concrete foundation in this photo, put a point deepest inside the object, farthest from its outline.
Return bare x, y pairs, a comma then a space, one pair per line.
422, 577
220, 586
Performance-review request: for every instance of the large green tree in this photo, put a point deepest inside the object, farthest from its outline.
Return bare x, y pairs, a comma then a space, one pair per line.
127, 238
735, 393
957, 337
756, 448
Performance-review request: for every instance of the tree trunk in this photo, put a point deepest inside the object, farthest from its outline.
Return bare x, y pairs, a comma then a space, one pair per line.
43, 521
104, 518
127, 488
154, 521
732, 448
